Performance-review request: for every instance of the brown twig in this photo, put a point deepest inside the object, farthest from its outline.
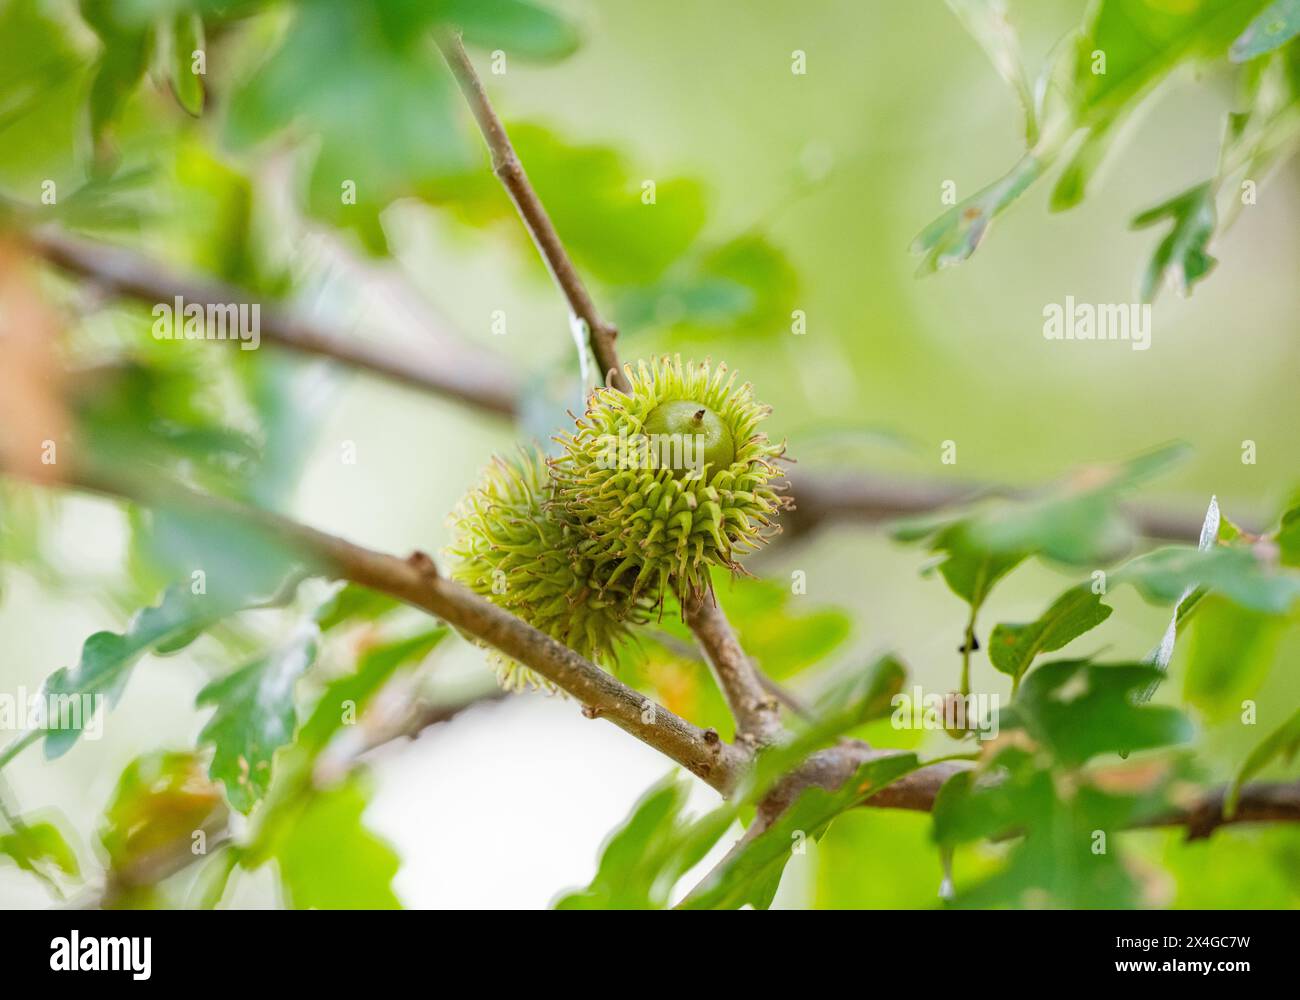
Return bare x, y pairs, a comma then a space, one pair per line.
756, 711
506, 165
452, 369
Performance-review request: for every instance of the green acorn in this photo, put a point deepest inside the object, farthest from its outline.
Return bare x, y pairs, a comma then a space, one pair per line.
671, 478
514, 547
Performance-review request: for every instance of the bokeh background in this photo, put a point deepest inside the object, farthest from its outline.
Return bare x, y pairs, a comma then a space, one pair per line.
839, 169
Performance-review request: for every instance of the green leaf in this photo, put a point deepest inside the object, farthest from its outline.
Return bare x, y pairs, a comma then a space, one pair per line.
328, 860
595, 200
516, 26
1143, 42
187, 38
969, 569
745, 286
1125, 49
35, 846
783, 637
1056, 861
1282, 742
1239, 573
345, 698
43, 81
1012, 648
1072, 186
953, 236
351, 603
1272, 29
1077, 710
1288, 538
127, 50
1080, 521
644, 858
254, 717
106, 660
1231, 651
752, 873
1182, 256
385, 114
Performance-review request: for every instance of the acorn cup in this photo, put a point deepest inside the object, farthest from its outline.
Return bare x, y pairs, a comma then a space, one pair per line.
513, 547
670, 478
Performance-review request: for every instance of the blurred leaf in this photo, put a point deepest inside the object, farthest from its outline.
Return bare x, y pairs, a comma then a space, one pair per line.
1239, 868
1078, 522
969, 569
347, 697
352, 602
254, 717
161, 800
127, 50
379, 57
1231, 651
1238, 573
328, 860
1277, 25
1012, 648
187, 38
1077, 710
43, 82
644, 858
751, 873
862, 696
595, 200
107, 658
953, 236
1059, 860
1288, 538
883, 859
1181, 256
33, 847
1144, 41
782, 637
517, 26
745, 286
1282, 742
238, 559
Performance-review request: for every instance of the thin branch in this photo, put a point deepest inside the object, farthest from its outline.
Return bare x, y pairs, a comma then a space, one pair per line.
756, 711
824, 499
506, 165
1261, 802
452, 370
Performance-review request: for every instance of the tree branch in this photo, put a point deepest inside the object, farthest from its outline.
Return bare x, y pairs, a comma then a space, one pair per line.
415, 581
1261, 802
867, 499
756, 711
506, 165
453, 370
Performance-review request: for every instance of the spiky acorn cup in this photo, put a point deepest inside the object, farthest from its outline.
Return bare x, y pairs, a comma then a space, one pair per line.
671, 478
520, 552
